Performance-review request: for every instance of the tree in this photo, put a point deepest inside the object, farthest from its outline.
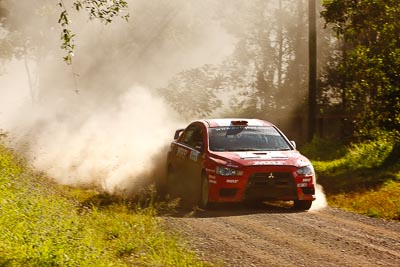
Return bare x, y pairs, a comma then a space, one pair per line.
103, 10
5, 45
198, 84
266, 75
369, 67
312, 80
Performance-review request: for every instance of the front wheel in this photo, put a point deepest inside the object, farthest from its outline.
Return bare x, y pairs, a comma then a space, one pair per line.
205, 188
302, 204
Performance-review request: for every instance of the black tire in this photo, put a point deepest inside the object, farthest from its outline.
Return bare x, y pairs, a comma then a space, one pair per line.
204, 192
187, 191
302, 204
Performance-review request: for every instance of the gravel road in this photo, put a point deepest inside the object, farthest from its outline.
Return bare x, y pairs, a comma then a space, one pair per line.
277, 236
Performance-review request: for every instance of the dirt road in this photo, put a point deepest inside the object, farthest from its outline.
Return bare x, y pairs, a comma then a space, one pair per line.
277, 236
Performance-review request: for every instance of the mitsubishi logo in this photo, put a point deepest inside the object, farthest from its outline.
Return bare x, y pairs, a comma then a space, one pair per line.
271, 176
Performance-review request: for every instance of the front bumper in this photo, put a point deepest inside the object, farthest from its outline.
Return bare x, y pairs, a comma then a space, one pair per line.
262, 183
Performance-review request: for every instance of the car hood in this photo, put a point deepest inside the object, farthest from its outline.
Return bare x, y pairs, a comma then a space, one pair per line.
258, 158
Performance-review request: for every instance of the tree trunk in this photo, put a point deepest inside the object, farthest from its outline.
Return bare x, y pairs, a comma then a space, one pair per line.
312, 93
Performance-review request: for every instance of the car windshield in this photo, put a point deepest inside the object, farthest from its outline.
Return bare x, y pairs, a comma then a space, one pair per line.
246, 138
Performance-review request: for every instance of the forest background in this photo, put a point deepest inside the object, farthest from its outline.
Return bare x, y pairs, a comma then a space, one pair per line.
161, 64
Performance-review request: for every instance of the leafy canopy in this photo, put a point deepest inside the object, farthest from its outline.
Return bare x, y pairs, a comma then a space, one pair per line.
102, 10
370, 65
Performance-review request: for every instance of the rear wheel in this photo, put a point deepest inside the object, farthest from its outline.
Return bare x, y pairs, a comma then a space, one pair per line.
205, 188
302, 204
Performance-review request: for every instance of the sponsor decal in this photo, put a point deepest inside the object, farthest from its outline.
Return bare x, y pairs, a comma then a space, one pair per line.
181, 152
210, 170
266, 130
266, 155
247, 155
212, 179
260, 163
302, 185
306, 180
265, 162
194, 155
232, 181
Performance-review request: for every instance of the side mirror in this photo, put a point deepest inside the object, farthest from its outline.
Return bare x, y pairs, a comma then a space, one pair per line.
199, 146
178, 133
293, 143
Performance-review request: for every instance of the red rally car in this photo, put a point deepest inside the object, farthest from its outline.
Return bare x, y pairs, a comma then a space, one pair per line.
234, 160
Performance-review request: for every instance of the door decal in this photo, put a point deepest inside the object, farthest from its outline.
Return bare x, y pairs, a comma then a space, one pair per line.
194, 155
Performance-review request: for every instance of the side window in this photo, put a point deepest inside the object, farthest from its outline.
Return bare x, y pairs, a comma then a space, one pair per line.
188, 135
193, 136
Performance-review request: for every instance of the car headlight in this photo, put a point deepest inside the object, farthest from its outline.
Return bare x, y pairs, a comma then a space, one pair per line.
225, 171
306, 170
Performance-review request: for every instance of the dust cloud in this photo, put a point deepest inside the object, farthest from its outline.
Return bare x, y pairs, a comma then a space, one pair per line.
100, 122
320, 201
112, 148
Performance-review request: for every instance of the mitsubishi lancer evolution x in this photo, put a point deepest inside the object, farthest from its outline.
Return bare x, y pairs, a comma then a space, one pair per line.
237, 160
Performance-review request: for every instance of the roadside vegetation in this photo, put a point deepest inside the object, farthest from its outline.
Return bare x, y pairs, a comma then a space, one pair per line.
362, 177
44, 224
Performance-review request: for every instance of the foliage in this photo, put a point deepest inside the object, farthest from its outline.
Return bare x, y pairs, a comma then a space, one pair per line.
324, 149
42, 224
361, 156
204, 80
383, 202
368, 69
266, 75
365, 179
102, 10
5, 45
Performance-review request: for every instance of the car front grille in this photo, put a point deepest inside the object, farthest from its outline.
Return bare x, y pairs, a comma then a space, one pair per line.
270, 185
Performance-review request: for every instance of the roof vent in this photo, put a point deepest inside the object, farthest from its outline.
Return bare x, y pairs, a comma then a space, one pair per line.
239, 123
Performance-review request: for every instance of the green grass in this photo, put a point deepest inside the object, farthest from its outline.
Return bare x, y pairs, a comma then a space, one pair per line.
43, 224
362, 177
382, 202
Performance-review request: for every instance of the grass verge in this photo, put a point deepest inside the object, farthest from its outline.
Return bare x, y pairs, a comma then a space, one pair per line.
43, 224
363, 177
